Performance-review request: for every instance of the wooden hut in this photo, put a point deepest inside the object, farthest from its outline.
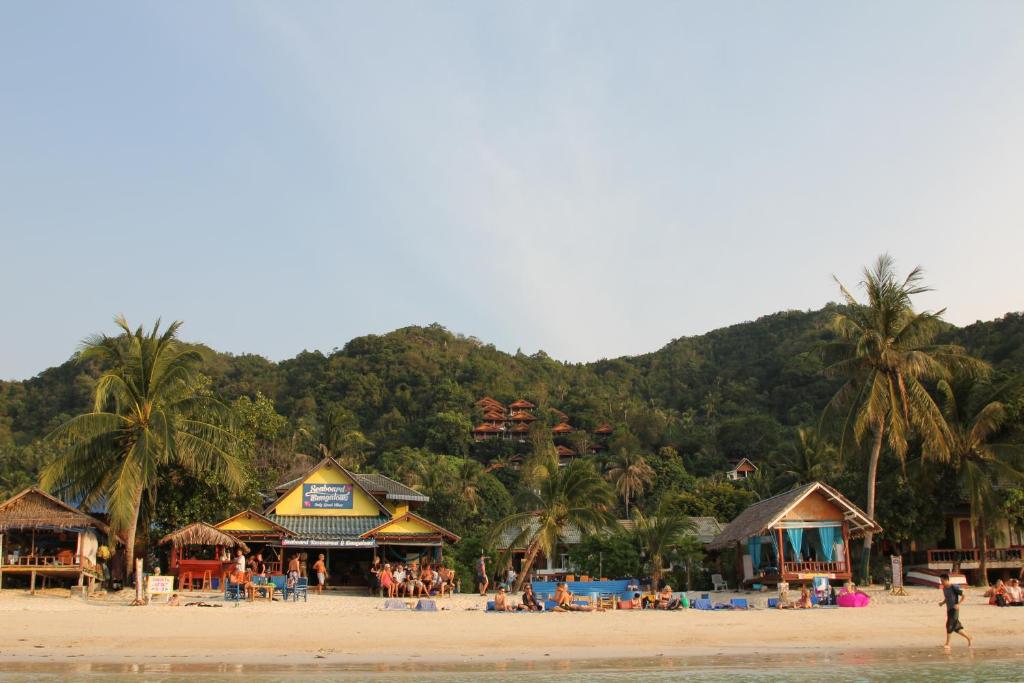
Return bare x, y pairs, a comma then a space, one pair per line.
41, 535
797, 535
205, 569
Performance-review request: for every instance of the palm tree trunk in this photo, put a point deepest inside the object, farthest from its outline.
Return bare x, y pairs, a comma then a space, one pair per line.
655, 572
876, 452
982, 544
524, 571
129, 543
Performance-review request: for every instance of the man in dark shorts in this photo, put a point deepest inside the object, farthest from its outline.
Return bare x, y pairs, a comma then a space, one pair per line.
952, 596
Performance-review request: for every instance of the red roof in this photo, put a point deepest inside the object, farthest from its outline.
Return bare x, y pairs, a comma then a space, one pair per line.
560, 415
485, 428
564, 452
488, 401
563, 428
494, 415
519, 429
521, 416
521, 403
604, 429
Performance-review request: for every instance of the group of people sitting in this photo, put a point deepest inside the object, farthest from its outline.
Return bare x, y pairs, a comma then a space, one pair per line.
411, 581
1006, 594
563, 598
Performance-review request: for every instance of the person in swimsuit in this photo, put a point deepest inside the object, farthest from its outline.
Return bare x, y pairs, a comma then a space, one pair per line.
530, 602
387, 581
502, 603
952, 596
320, 567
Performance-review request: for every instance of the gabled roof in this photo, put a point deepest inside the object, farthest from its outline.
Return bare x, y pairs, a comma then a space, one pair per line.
737, 463
452, 538
766, 514
249, 514
521, 404
604, 429
521, 416
487, 429
488, 401
563, 428
559, 414
494, 415
564, 452
36, 508
392, 490
519, 429
328, 460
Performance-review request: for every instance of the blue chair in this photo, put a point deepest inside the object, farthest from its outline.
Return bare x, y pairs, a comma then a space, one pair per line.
773, 602
301, 587
233, 591
280, 585
703, 604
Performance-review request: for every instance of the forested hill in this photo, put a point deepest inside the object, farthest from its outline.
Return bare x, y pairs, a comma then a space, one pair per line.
736, 391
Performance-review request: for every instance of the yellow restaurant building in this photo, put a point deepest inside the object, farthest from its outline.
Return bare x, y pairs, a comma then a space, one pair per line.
349, 517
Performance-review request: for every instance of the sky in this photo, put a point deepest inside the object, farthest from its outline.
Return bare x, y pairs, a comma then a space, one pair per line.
588, 178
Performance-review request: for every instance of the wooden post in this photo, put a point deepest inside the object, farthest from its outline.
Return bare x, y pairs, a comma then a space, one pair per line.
782, 557
32, 582
1, 561
138, 583
846, 548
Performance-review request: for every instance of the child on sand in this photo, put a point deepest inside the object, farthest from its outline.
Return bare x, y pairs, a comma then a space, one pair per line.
952, 596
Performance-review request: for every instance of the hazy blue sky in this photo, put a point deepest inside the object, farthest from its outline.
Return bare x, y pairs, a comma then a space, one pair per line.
588, 178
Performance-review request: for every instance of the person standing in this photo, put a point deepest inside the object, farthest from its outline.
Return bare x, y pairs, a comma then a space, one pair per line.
481, 575
952, 596
320, 567
239, 561
293, 570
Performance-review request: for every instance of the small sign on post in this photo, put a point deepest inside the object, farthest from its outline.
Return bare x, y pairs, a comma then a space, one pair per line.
159, 585
897, 575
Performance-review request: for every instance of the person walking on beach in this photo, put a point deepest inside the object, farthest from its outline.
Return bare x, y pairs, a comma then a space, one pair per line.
321, 573
952, 596
481, 575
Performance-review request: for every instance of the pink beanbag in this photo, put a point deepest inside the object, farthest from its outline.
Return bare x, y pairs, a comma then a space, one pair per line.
852, 600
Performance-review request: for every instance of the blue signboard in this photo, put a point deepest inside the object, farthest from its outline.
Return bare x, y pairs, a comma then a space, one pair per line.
327, 496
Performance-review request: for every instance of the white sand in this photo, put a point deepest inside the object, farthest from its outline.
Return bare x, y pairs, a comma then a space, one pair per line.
53, 628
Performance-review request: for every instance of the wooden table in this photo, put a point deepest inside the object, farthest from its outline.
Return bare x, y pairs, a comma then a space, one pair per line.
267, 588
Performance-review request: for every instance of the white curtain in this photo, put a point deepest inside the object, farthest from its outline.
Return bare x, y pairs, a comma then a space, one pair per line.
88, 545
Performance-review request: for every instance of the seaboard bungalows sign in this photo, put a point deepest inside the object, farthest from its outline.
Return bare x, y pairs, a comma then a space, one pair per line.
327, 496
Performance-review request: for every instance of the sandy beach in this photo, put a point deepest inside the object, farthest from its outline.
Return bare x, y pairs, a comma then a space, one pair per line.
342, 629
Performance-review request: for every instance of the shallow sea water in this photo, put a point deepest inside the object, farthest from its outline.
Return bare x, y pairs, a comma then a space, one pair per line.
925, 666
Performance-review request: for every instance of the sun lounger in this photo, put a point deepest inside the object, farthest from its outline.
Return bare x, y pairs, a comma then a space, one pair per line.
426, 606
392, 604
702, 604
739, 603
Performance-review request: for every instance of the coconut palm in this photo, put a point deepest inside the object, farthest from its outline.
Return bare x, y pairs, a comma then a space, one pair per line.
150, 410
976, 415
884, 352
659, 538
568, 499
630, 474
810, 458
467, 482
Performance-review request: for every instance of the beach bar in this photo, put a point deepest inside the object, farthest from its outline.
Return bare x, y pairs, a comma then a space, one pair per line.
201, 553
798, 535
351, 518
42, 536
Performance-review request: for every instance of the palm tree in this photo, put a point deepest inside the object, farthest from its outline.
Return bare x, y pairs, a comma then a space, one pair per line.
659, 537
567, 499
467, 482
976, 415
809, 459
630, 474
150, 410
883, 350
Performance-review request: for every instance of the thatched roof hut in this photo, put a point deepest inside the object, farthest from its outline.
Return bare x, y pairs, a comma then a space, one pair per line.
34, 508
201, 533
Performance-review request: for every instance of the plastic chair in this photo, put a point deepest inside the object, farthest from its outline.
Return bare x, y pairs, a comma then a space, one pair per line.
301, 587
233, 591
280, 585
718, 583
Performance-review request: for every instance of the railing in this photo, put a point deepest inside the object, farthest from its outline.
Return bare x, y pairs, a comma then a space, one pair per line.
962, 555
47, 561
813, 567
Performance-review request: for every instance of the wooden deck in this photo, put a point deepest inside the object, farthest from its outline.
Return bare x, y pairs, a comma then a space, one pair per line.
45, 566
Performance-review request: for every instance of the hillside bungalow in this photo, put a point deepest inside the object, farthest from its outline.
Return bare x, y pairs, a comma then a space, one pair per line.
741, 469
43, 536
797, 535
351, 518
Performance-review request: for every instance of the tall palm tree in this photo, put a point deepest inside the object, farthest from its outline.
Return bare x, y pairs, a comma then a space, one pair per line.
659, 537
567, 499
976, 414
149, 411
630, 474
467, 482
884, 352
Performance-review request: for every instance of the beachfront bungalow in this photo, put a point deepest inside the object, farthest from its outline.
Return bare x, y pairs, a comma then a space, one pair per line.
349, 517
797, 535
43, 536
959, 551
